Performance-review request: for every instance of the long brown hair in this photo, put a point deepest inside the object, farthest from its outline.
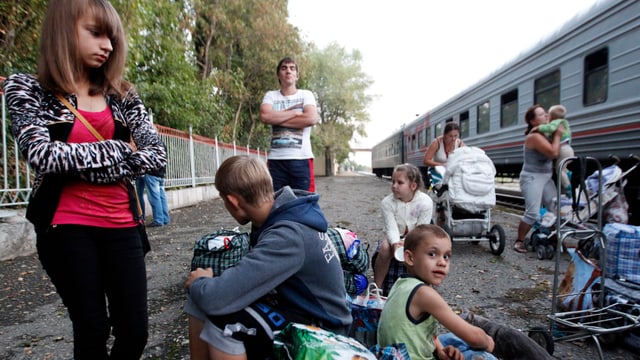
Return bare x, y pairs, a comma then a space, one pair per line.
530, 115
60, 63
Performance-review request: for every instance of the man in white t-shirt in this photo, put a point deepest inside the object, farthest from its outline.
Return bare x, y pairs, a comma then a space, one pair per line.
291, 112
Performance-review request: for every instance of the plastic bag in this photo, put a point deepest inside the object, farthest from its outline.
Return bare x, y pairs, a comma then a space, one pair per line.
575, 290
354, 259
366, 310
617, 211
305, 342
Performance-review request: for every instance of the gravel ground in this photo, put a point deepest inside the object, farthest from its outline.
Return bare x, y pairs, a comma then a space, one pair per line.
514, 289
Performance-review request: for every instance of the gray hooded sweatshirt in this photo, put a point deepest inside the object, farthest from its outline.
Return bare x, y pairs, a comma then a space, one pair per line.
293, 255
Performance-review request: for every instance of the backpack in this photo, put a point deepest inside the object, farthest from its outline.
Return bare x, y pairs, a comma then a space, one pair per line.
354, 259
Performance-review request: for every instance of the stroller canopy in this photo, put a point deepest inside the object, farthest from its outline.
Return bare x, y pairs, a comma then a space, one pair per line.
470, 178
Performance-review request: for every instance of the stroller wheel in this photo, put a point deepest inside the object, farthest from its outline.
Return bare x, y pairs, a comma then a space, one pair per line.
550, 252
541, 251
497, 239
543, 338
528, 244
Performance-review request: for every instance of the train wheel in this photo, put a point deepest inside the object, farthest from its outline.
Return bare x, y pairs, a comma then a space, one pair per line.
543, 338
497, 239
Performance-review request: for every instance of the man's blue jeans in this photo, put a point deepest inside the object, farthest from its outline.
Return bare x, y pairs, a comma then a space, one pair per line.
157, 199
140, 185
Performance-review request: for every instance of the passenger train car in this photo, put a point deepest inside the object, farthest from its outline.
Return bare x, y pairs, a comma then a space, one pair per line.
591, 65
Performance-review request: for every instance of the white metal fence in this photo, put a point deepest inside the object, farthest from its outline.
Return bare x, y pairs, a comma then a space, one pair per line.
192, 161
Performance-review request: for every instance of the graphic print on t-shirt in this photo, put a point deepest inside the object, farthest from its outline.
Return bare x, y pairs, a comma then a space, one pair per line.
284, 137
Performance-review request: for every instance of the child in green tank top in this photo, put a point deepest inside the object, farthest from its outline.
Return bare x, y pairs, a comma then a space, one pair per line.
414, 309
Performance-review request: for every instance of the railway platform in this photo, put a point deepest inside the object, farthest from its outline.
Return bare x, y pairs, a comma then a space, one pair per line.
512, 288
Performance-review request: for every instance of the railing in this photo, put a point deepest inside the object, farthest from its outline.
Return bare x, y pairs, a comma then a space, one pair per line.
192, 161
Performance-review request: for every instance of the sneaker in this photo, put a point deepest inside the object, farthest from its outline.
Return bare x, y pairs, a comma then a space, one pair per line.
154, 224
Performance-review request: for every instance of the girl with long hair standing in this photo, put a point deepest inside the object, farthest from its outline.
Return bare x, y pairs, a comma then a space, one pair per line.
87, 134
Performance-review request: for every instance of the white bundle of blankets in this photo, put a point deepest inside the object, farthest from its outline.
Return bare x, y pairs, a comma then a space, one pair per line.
470, 178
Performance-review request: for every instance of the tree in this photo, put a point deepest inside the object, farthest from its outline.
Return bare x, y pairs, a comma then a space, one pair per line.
237, 45
208, 63
20, 23
162, 66
340, 85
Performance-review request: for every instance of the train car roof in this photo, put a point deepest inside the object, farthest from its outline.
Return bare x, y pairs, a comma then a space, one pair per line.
571, 25
568, 27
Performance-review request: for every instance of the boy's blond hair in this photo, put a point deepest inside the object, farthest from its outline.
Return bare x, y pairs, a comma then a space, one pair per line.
422, 232
247, 177
557, 112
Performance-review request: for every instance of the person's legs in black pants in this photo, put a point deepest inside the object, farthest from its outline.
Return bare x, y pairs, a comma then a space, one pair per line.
85, 263
126, 288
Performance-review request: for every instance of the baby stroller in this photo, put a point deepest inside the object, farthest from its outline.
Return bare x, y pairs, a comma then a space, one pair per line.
575, 212
465, 197
543, 237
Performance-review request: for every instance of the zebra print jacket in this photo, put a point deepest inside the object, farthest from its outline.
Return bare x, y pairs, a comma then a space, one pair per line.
41, 125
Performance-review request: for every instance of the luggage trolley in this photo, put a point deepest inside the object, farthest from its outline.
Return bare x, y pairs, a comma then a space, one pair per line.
585, 314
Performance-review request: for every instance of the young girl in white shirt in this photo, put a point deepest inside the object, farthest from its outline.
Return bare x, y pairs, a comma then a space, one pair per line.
405, 208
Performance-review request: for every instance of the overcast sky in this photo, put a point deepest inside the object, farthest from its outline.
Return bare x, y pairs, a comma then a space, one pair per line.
419, 53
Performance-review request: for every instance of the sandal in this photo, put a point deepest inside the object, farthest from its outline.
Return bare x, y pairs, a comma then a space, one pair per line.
518, 246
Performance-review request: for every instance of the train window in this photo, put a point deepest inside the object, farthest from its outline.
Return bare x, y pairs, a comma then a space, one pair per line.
448, 120
547, 90
438, 129
509, 108
464, 124
482, 124
596, 77
427, 135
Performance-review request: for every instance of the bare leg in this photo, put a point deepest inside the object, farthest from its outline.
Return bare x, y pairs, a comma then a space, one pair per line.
199, 348
523, 229
216, 354
383, 261
519, 244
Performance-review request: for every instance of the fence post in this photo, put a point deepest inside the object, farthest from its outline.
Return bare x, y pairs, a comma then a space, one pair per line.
217, 155
192, 158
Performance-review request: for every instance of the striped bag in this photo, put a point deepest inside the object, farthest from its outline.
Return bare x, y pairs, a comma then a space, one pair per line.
220, 250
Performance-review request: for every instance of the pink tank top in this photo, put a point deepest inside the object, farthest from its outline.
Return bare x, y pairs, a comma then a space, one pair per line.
85, 203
